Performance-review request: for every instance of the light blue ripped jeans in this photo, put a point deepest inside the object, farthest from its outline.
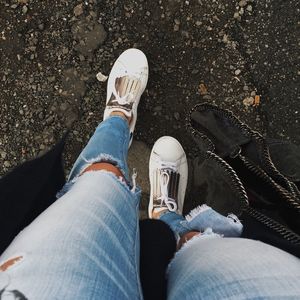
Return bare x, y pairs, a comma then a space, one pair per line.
205, 220
86, 245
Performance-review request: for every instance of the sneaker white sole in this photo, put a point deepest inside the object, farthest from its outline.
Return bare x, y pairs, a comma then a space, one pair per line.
168, 149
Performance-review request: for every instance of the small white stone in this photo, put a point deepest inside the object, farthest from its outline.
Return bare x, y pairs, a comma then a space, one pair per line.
100, 77
225, 38
237, 72
176, 27
78, 10
24, 9
236, 15
249, 8
248, 101
242, 3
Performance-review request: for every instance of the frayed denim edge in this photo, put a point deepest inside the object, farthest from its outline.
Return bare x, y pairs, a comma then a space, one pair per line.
196, 211
101, 158
207, 234
204, 207
69, 184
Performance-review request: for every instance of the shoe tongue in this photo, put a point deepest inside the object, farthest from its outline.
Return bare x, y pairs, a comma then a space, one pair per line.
172, 183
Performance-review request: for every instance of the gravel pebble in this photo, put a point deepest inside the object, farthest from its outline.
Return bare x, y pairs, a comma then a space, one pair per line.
242, 3
78, 10
177, 116
41, 26
101, 77
51, 78
237, 72
236, 15
65, 50
7, 164
2, 154
249, 8
24, 9
176, 27
248, 101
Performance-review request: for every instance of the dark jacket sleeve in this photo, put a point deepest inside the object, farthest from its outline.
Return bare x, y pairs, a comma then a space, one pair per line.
28, 190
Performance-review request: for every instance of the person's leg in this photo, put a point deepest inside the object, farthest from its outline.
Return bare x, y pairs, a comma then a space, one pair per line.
232, 268
109, 143
168, 172
86, 245
200, 219
208, 266
126, 83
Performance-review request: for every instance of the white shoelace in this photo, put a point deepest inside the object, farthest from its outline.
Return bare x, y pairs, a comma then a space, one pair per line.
125, 100
164, 182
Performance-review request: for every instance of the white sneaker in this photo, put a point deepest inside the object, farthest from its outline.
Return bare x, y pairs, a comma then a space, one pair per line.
168, 173
126, 83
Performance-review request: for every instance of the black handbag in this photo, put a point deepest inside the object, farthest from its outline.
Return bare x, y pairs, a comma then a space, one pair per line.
237, 170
